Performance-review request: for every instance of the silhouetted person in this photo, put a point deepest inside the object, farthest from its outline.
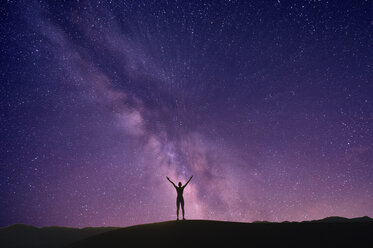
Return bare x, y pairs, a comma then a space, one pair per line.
179, 199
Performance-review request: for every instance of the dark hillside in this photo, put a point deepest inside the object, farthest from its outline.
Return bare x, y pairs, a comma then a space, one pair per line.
199, 233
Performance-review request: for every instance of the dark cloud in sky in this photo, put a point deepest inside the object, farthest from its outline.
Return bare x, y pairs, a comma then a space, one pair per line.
267, 103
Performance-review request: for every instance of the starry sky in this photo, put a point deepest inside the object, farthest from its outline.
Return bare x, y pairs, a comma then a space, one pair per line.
269, 104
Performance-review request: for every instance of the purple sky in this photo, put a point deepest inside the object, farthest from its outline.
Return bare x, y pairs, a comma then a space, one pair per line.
269, 104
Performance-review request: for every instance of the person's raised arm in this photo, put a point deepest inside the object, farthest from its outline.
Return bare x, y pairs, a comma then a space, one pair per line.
171, 182
188, 181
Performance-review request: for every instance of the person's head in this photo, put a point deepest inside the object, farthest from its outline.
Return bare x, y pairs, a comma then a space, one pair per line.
179, 184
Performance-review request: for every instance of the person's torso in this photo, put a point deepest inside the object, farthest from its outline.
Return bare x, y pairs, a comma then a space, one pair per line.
180, 191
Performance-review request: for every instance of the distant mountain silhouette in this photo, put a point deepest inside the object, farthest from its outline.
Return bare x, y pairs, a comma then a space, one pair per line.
21, 235
329, 232
337, 219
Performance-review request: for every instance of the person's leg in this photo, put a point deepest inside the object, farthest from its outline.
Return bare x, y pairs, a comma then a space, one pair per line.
182, 207
177, 208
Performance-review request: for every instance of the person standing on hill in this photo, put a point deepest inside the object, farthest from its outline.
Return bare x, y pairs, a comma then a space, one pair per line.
179, 199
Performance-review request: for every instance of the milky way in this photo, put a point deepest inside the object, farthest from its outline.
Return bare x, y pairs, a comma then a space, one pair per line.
269, 104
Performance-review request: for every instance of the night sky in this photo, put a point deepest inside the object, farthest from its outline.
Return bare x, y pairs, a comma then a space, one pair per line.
269, 104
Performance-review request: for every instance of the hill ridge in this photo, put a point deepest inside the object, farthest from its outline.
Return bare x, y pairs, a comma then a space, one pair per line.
206, 232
